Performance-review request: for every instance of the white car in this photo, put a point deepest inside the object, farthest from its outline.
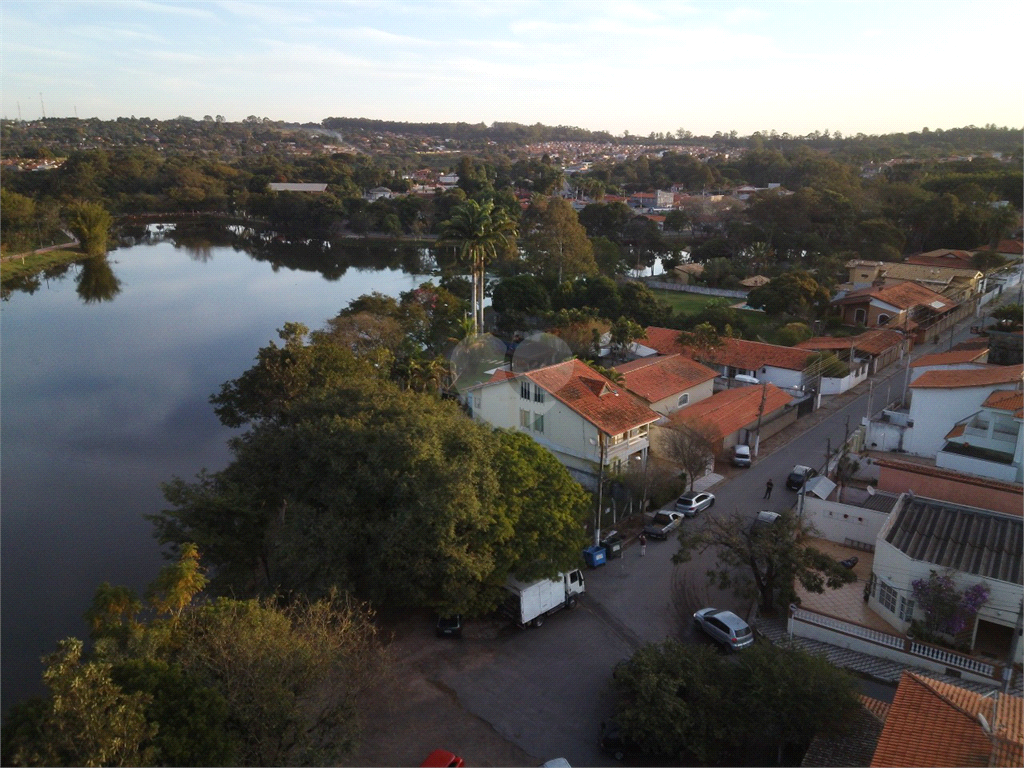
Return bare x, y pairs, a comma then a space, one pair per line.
692, 503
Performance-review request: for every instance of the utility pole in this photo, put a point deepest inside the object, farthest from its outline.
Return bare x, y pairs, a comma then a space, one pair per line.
828, 454
41, 105
871, 387
600, 489
760, 413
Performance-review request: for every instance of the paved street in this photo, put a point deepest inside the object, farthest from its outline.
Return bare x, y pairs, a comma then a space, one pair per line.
545, 691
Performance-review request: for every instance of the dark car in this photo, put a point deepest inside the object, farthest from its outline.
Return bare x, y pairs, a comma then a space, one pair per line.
449, 626
613, 743
800, 475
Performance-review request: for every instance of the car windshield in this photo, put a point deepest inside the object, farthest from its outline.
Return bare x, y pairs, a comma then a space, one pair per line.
687, 500
662, 518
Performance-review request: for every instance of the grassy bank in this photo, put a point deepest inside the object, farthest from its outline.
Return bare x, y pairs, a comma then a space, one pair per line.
14, 267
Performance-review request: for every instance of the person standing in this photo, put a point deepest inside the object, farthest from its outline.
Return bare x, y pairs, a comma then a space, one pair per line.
643, 545
768, 489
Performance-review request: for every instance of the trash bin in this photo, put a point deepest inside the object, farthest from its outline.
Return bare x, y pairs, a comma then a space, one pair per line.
594, 556
612, 544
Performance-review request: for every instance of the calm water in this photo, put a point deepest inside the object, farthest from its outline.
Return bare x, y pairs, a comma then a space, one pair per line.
105, 380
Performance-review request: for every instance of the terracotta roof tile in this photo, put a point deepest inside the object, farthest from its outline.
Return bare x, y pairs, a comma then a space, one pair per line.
655, 378
664, 340
1005, 400
926, 727
602, 402
738, 353
981, 377
732, 409
956, 431
946, 474
953, 357
872, 342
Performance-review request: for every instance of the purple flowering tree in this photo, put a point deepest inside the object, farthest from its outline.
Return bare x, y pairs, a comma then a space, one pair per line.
946, 609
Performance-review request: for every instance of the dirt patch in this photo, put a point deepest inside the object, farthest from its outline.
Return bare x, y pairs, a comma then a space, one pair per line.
413, 713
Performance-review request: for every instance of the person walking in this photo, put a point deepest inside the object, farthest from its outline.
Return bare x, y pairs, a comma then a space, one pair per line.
643, 545
768, 489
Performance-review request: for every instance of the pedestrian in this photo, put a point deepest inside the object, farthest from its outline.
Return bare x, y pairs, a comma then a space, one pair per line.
768, 489
643, 545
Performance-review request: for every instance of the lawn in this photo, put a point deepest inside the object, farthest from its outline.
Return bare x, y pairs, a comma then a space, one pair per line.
29, 264
758, 323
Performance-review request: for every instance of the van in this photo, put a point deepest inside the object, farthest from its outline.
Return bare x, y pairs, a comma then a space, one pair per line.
741, 455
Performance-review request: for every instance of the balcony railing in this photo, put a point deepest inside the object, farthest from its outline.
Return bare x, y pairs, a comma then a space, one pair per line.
912, 648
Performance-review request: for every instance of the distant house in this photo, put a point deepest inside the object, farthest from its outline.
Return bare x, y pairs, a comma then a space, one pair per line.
1008, 249
904, 306
879, 347
755, 281
582, 417
943, 257
939, 724
685, 273
378, 193
297, 187
960, 284
668, 384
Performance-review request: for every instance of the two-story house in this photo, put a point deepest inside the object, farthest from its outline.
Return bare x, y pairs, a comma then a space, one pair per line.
909, 307
584, 419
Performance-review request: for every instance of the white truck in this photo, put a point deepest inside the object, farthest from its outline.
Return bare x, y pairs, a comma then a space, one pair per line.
529, 603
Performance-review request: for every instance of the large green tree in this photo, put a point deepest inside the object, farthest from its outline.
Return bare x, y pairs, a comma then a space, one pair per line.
795, 293
763, 562
90, 223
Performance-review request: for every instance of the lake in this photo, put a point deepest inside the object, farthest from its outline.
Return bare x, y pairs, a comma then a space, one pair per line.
107, 370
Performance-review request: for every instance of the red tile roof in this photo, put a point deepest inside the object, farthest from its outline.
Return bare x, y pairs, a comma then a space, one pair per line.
602, 402
872, 342
933, 723
732, 409
1006, 400
1013, 247
899, 295
953, 357
738, 353
655, 378
981, 377
946, 474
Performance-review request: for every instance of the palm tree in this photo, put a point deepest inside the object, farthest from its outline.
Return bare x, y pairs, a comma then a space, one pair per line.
477, 230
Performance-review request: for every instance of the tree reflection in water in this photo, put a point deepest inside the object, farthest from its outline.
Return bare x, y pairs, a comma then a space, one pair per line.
96, 281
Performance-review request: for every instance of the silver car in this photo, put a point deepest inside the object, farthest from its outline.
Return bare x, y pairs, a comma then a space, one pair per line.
724, 627
692, 503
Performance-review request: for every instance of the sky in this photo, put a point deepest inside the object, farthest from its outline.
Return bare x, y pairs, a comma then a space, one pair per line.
638, 67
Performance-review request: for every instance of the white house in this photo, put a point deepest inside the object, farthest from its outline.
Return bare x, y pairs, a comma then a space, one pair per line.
378, 193
971, 545
582, 417
668, 383
970, 359
989, 442
940, 399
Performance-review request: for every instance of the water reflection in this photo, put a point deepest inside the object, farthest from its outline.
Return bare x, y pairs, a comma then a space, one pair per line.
96, 281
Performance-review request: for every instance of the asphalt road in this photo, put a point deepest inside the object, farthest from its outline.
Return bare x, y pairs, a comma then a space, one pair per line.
547, 690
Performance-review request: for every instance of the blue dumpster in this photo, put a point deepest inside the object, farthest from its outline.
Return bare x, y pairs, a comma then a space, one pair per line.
594, 556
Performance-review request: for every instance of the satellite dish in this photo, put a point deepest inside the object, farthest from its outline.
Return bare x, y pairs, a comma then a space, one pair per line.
871, 490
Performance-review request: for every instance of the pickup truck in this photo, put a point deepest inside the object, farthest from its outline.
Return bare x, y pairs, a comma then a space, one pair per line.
663, 523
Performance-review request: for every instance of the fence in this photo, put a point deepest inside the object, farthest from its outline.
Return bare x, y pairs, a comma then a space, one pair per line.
725, 292
828, 629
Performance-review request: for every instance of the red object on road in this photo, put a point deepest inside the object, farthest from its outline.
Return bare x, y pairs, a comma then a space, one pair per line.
442, 758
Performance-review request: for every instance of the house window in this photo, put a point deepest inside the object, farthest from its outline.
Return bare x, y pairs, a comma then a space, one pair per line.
616, 439
860, 316
887, 596
883, 319
524, 419
906, 609
538, 395
524, 389
683, 399
538, 422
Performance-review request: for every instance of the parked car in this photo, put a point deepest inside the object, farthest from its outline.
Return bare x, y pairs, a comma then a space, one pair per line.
741, 455
662, 524
849, 562
724, 627
799, 476
449, 626
442, 758
692, 503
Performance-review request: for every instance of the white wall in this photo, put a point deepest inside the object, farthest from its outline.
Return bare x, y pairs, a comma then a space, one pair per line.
835, 386
935, 411
837, 522
670, 404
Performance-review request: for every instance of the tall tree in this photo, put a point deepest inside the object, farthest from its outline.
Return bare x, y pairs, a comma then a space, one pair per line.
477, 231
690, 447
763, 562
556, 244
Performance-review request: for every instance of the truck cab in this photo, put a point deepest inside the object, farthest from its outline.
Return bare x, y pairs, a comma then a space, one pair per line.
529, 602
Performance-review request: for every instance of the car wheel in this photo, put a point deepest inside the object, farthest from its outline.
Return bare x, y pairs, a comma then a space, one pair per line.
711, 504
571, 602
539, 621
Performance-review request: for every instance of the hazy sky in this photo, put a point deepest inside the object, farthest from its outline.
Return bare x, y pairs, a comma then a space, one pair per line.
871, 67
